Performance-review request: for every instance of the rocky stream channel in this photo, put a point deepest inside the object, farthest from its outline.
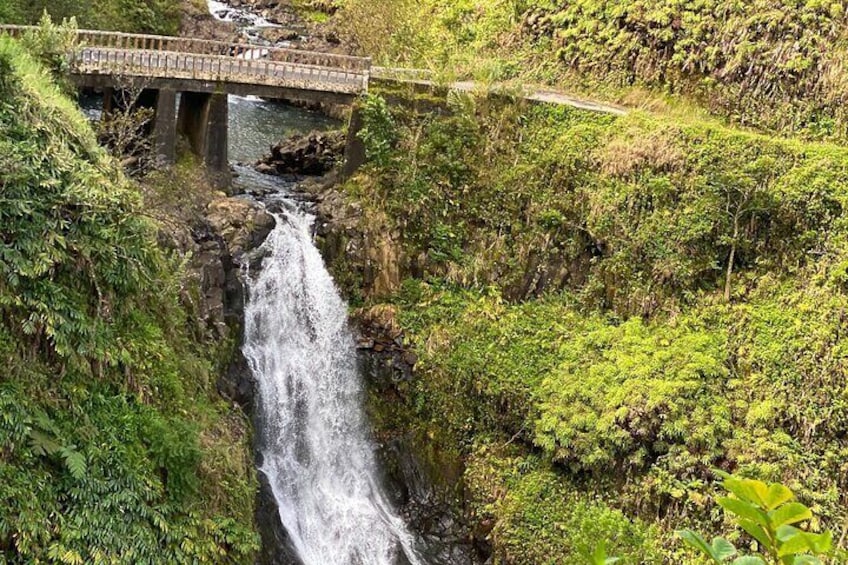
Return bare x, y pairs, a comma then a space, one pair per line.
391, 500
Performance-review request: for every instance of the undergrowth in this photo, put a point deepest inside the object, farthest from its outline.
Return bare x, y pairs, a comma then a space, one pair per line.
115, 444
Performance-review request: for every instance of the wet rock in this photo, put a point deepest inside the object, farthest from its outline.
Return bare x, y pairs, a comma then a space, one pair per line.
313, 154
424, 484
243, 224
276, 542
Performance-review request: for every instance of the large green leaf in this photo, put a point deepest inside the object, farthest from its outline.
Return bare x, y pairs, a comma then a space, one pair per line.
803, 542
776, 495
748, 490
744, 510
759, 493
757, 532
791, 513
723, 549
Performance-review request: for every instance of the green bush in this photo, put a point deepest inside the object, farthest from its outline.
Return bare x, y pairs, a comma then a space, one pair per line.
539, 517
142, 16
115, 444
642, 410
624, 395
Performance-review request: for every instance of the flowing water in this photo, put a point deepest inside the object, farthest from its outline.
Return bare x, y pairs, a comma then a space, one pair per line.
315, 446
314, 440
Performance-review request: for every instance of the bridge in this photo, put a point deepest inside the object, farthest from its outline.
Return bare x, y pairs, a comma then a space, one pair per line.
203, 73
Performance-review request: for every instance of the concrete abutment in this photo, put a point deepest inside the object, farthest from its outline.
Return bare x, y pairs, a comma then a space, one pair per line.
203, 118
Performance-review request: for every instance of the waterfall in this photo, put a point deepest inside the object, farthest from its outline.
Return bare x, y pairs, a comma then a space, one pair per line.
315, 446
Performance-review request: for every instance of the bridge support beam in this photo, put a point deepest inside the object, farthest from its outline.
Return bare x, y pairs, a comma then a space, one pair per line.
165, 127
203, 118
354, 147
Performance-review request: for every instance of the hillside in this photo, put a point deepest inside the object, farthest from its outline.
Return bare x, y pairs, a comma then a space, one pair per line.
602, 310
773, 64
116, 445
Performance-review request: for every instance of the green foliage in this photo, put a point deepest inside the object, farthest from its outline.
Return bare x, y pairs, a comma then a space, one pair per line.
135, 16
624, 395
115, 446
635, 213
598, 556
770, 64
634, 300
379, 133
643, 408
540, 517
767, 513
50, 44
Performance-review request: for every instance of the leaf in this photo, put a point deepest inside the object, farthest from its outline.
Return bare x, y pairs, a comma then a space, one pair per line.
777, 494
42, 444
748, 490
785, 532
697, 541
805, 560
744, 510
75, 462
802, 542
757, 532
748, 560
723, 549
791, 513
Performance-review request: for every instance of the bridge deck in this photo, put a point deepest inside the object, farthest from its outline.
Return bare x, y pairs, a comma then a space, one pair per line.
214, 68
124, 55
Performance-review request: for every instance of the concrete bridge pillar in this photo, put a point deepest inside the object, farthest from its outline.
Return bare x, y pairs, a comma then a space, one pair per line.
165, 127
203, 118
354, 147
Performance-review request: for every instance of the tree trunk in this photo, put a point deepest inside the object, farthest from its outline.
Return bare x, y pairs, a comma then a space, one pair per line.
730, 259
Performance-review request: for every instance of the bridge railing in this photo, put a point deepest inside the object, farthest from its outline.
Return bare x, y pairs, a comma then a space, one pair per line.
216, 68
137, 41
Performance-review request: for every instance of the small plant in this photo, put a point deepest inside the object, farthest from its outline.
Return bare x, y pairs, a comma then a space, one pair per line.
768, 513
598, 556
51, 44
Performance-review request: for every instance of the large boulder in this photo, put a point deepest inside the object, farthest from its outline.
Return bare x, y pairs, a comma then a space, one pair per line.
243, 224
313, 154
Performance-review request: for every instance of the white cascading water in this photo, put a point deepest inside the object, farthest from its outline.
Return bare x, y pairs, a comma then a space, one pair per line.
316, 451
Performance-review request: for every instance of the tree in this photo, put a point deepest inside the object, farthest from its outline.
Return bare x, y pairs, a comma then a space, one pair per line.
770, 515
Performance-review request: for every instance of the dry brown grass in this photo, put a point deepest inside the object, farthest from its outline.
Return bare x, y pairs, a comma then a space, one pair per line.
637, 149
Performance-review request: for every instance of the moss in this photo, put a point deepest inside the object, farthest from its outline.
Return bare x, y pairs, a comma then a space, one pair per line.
540, 517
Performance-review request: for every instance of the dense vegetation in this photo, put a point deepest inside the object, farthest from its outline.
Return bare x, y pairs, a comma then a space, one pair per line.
608, 308
140, 16
114, 445
771, 63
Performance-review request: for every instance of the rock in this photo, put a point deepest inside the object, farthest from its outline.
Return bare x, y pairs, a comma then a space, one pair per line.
265, 169
332, 38
314, 154
243, 224
276, 35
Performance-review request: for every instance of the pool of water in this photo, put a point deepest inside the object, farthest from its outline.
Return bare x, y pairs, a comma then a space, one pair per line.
255, 124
